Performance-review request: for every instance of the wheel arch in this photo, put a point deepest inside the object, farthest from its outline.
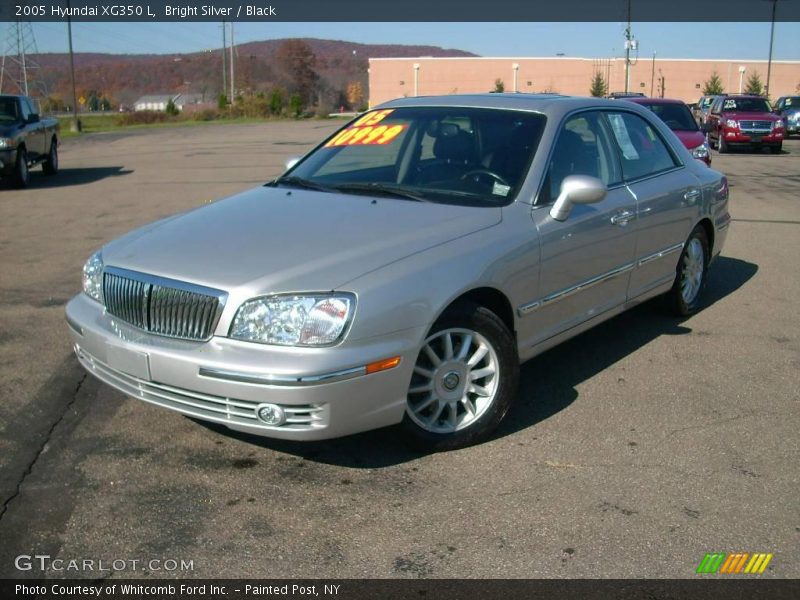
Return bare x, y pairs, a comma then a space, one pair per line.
708, 227
490, 298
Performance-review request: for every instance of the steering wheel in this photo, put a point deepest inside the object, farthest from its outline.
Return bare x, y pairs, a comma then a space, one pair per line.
476, 174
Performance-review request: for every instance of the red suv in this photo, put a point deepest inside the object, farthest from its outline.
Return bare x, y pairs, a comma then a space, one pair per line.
744, 120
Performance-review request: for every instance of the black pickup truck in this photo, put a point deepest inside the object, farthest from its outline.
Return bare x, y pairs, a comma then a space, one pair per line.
26, 140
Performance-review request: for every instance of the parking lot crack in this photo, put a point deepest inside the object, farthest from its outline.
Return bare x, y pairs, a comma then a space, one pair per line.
43, 446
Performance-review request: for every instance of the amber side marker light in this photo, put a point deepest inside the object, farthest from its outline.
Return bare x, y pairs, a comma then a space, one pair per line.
383, 365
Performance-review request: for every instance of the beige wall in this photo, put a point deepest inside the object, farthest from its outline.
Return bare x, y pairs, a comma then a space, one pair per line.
395, 77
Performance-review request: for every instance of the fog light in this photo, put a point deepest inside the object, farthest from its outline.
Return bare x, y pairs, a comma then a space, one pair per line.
271, 414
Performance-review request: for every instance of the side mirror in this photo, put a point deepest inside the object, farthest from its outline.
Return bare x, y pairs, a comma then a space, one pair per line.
33, 118
292, 162
577, 189
707, 126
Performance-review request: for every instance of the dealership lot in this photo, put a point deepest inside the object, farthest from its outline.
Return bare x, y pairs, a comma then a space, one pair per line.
632, 451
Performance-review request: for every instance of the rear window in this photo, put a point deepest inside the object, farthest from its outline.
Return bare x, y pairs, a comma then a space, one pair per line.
676, 116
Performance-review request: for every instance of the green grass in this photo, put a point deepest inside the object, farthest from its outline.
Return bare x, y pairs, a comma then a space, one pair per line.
101, 123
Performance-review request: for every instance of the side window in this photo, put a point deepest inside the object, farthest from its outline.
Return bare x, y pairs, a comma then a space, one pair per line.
642, 150
31, 108
582, 147
715, 106
25, 108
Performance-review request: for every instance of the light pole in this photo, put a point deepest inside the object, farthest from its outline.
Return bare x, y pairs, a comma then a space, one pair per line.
416, 79
742, 69
515, 67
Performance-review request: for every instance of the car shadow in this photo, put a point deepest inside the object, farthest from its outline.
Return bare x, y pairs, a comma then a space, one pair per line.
71, 176
548, 383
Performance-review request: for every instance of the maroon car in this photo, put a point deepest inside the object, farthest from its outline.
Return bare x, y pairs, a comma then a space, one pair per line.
744, 120
678, 117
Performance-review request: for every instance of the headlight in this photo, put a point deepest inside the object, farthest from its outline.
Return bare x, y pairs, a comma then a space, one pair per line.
701, 151
7, 143
731, 123
778, 124
93, 277
289, 320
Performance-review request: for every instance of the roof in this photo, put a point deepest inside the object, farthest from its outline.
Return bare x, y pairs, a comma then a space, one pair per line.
647, 100
508, 101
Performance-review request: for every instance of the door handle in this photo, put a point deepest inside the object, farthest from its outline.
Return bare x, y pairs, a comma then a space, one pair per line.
691, 196
622, 218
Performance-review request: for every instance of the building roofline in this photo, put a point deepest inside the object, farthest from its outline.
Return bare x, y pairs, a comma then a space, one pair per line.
613, 58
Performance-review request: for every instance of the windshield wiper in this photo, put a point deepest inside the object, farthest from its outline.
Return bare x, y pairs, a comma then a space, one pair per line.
300, 182
381, 189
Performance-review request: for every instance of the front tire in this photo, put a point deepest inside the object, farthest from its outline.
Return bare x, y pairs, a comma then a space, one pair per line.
50, 166
777, 149
22, 176
691, 274
465, 379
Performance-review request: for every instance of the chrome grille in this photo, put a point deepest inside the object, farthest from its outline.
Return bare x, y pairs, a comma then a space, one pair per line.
162, 306
755, 125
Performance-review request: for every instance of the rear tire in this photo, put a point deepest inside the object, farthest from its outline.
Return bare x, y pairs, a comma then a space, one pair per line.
50, 166
464, 380
691, 274
22, 176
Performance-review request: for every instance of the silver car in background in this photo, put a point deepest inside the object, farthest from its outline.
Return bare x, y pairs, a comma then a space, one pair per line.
401, 271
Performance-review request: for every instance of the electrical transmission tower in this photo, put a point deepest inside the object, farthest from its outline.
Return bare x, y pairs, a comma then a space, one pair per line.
19, 72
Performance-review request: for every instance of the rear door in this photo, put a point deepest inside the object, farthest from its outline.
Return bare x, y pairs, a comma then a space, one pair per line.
667, 195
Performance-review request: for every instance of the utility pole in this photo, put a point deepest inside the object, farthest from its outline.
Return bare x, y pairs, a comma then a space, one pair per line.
653, 73
771, 37
75, 126
224, 68
233, 87
628, 38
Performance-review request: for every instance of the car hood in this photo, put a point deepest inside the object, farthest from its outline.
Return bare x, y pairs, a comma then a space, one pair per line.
751, 116
691, 139
271, 240
9, 129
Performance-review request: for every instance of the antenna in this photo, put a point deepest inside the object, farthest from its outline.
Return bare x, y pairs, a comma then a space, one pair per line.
19, 72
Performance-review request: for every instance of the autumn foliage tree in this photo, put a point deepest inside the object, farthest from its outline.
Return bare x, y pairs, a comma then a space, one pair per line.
298, 62
355, 94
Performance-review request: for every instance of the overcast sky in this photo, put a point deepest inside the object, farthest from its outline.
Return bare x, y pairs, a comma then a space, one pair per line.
591, 40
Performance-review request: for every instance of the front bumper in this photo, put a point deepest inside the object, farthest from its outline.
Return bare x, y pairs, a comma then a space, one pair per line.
739, 137
324, 392
8, 160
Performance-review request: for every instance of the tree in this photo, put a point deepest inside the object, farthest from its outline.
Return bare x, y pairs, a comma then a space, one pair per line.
276, 101
499, 86
599, 87
754, 84
355, 94
298, 62
295, 105
222, 101
171, 109
713, 85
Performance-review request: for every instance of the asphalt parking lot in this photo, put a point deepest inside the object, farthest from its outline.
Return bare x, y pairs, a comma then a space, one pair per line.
632, 450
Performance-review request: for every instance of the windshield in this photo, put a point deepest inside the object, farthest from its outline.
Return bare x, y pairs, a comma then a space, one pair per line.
678, 117
470, 156
8, 109
792, 102
706, 102
745, 105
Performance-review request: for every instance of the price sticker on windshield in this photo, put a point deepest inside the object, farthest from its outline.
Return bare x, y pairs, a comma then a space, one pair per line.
367, 131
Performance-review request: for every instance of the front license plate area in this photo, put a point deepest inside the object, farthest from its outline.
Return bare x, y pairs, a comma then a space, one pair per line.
128, 361
755, 138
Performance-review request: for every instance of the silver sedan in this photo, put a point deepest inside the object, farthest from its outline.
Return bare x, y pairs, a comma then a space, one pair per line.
401, 271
